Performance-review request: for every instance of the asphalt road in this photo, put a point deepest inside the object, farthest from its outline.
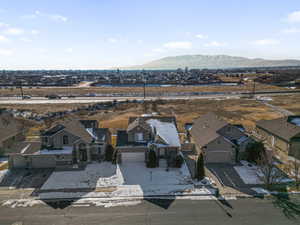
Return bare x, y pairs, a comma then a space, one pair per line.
206, 212
65, 100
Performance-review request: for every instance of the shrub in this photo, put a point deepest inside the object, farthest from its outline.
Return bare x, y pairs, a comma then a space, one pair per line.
109, 153
178, 161
200, 167
152, 159
255, 151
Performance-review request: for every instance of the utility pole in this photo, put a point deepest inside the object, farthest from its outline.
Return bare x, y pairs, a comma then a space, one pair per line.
253, 91
21, 89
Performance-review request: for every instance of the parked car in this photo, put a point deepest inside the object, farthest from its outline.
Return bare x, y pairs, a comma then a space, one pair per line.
26, 97
53, 96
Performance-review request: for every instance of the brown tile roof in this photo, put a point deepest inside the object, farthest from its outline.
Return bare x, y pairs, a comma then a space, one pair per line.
280, 127
204, 129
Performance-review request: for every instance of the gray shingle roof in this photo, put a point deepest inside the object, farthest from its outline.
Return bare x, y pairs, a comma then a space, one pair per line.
205, 128
280, 127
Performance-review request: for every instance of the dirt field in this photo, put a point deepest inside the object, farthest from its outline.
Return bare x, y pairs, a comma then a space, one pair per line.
240, 111
288, 102
65, 91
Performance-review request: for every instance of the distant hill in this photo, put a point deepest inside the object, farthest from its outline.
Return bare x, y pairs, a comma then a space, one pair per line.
212, 62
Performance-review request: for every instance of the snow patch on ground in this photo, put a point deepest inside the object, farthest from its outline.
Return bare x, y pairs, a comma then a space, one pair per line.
260, 190
95, 175
248, 174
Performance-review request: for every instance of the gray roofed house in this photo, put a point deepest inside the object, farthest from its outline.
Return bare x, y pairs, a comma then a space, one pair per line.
147, 132
66, 143
282, 134
220, 141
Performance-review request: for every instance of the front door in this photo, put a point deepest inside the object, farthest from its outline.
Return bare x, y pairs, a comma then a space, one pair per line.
82, 155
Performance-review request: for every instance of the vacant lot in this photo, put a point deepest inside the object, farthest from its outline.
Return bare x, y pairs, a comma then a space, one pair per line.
288, 102
43, 91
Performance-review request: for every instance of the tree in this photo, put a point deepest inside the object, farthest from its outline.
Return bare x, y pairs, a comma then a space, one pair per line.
295, 168
151, 159
178, 161
255, 151
270, 174
109, 153
200, 167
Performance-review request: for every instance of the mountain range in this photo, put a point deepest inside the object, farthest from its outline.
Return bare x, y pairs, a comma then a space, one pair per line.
213, 62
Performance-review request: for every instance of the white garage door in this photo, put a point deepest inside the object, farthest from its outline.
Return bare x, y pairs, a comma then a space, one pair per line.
218, 157
133, 156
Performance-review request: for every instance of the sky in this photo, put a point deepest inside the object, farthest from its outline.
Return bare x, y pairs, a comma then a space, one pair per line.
99, 34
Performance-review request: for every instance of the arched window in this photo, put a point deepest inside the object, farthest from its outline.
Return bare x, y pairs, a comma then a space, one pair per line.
81, 146
65, 140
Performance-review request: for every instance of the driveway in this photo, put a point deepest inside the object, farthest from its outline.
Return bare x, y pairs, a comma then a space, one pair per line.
228, 177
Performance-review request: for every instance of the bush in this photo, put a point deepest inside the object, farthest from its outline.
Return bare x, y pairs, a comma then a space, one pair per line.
178, 161
151, 159
200, 167
115, 157
255, 151
109, 153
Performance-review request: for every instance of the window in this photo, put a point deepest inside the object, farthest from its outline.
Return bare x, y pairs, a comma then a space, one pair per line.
65, 140
139, 137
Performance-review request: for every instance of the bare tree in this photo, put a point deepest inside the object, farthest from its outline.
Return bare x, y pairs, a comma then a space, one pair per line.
295, 168
270, 174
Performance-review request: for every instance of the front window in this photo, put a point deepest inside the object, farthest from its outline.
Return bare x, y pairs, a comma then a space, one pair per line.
139, 137
65, 140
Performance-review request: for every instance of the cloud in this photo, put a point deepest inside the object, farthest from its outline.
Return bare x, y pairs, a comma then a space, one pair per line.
215, 44
27, 40
201, 36
35, 32
266, 42
58, 18
4, 24
112, 40
178, 45
3, 39
69, 50
158, 50
6, 52
14, 31
54, 17
293, 17
291, 31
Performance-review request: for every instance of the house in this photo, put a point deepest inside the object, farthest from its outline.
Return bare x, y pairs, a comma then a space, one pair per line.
63, 145
219, 141
11, 132
282, 134
150, 133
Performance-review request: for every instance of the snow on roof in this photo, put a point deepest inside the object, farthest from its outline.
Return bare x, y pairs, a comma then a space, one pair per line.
91, 132
65, 151
167, 131
296, 121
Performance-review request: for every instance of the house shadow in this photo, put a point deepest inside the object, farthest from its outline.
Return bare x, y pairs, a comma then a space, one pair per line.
150, 183
67, 186
290, 206
25, 178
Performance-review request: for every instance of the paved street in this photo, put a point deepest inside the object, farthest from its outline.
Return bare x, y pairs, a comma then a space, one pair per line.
241, 212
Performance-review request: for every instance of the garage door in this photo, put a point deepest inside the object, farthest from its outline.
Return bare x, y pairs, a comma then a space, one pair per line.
43, 162
133, 156
218, 157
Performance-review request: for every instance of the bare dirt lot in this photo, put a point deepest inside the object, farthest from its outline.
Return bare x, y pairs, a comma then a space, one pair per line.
82, 90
